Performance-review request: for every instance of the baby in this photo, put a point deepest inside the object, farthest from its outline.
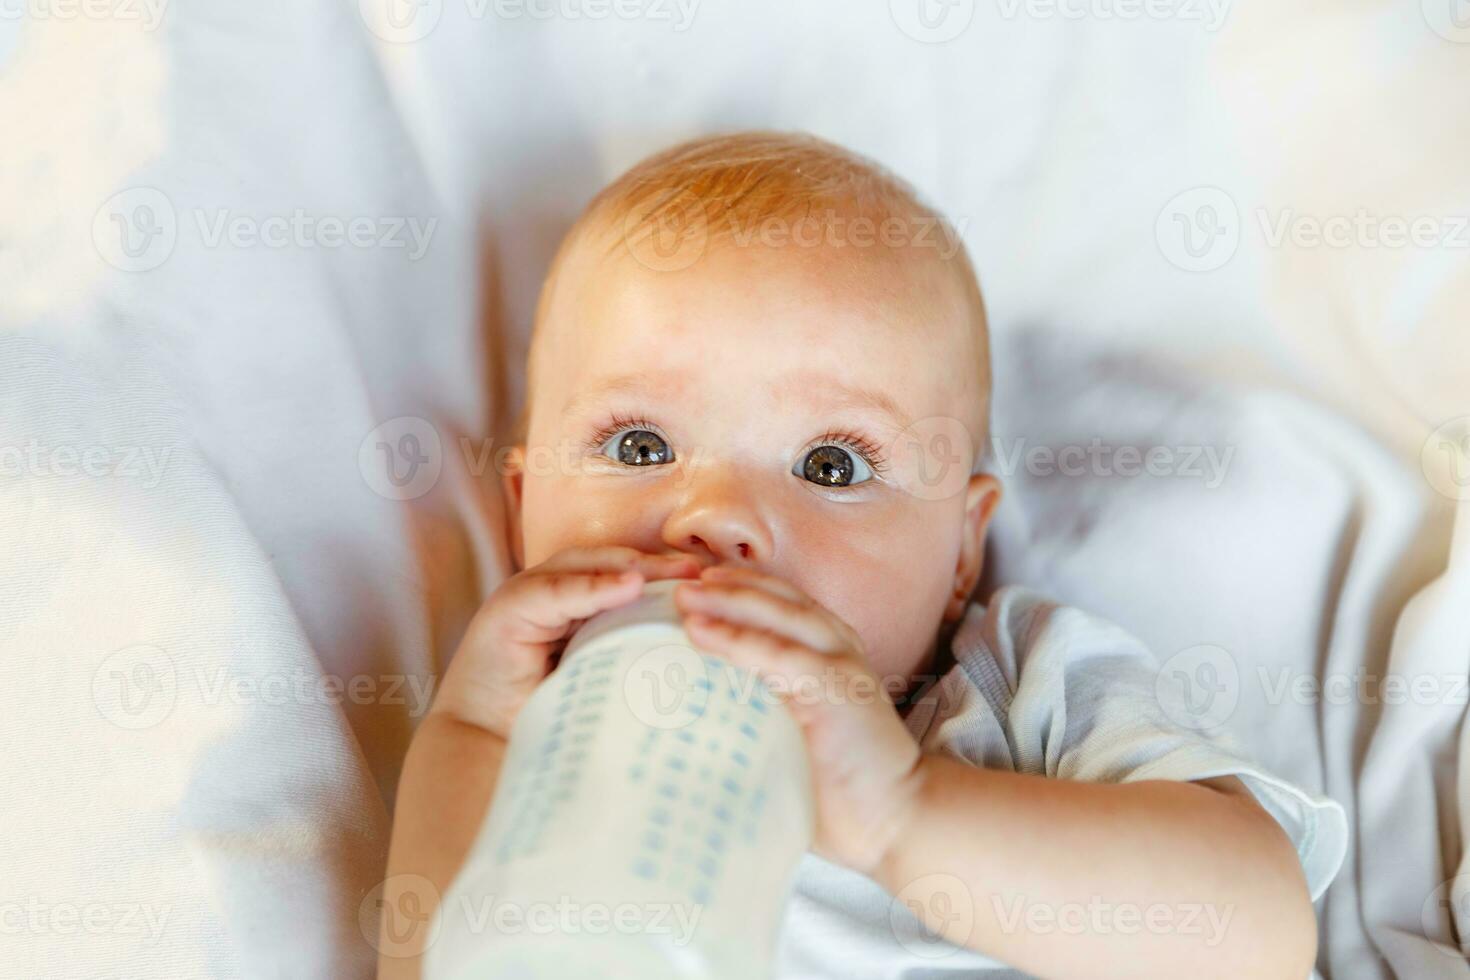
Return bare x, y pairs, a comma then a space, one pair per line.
760, 364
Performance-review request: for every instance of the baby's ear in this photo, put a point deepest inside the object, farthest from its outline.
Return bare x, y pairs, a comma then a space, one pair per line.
512, 486
982, 495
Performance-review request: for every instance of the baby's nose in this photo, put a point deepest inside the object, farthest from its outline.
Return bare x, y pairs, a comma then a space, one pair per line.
720, 523
696, 543
717, 545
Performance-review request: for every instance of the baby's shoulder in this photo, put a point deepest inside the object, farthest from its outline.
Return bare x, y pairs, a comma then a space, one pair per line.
1021, 627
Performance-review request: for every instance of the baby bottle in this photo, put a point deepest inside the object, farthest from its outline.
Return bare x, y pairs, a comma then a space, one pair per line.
651, 809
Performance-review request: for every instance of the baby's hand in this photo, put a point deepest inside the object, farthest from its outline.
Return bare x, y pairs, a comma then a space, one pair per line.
864, 762
506, 651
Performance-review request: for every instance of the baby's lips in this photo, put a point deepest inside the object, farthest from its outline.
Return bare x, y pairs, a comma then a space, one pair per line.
670, 566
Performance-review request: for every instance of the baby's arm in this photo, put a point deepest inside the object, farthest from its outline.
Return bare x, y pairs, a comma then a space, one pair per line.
1022, 858
1074, 879
453, 763
448, 780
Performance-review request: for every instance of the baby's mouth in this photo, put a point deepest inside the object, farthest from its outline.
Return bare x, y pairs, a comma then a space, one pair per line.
701, 562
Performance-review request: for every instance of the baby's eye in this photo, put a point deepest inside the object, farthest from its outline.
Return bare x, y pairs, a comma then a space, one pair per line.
639, 447
833, 466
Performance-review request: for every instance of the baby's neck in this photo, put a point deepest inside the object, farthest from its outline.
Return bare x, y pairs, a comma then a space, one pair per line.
935, 663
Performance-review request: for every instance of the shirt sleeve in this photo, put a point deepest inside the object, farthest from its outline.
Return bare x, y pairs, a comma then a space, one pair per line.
1050, 690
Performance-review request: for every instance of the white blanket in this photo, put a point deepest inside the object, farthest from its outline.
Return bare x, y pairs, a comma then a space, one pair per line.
251, 255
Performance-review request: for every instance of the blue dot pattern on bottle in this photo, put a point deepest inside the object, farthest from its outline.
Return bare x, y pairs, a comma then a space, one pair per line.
724, 708
679, 843
543, 787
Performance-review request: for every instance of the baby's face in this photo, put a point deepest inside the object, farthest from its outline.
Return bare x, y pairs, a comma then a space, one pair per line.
724, 410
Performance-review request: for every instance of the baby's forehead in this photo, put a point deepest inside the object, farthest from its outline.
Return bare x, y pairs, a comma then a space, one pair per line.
823, 293
897, 322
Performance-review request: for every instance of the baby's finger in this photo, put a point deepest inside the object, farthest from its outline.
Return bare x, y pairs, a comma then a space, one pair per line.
616, 557
770, 655
547, 603
749, 576
509, 647
806, 622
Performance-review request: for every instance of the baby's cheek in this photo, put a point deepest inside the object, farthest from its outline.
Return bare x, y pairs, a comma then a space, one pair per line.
890, 587
561, 511
555, 514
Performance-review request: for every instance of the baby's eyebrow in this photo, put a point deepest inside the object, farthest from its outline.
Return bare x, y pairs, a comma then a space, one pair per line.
826, 393
621, 384
823, 392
